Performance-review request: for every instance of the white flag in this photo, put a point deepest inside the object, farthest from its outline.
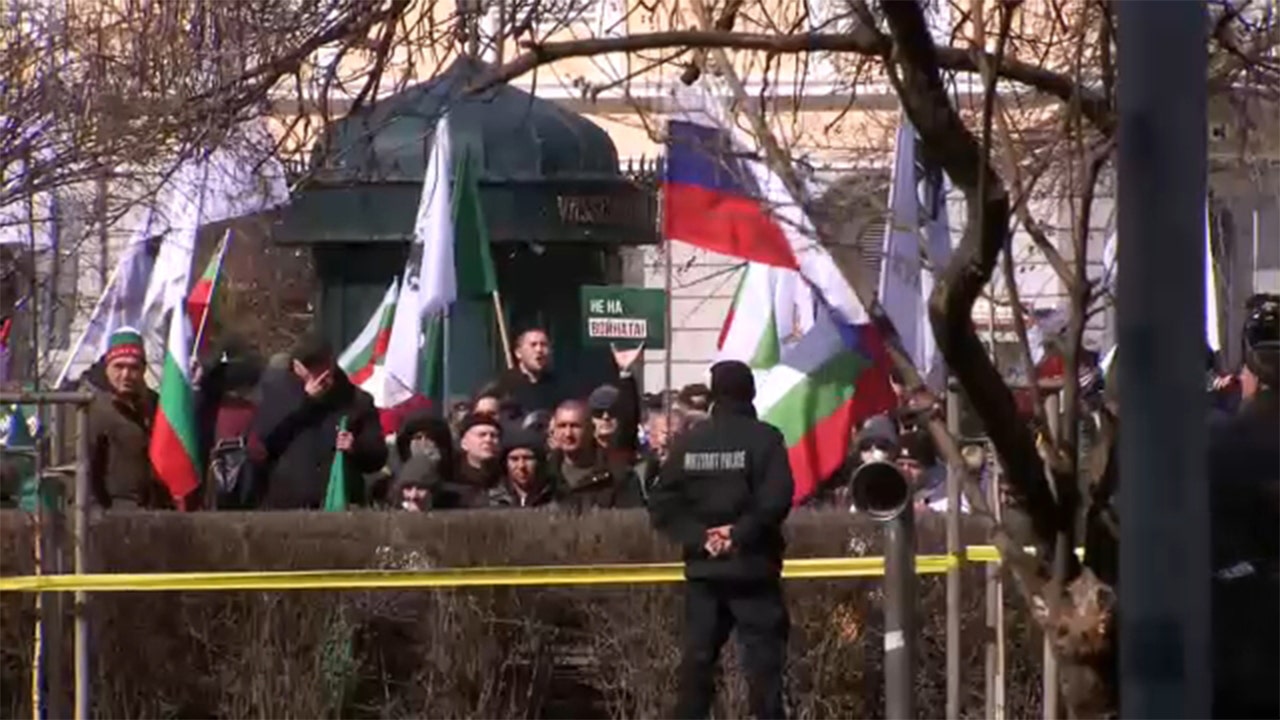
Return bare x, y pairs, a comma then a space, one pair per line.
430, 283
1212, 333
26, 218
905, 284
120, 305
234, 180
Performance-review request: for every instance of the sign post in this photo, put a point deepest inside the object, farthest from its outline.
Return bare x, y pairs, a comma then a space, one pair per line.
613, 314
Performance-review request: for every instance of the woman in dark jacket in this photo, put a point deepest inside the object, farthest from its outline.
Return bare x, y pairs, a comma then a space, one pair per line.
225, 407
424, 447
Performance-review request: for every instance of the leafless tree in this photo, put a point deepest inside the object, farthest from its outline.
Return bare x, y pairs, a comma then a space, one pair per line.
98, 89
997, 149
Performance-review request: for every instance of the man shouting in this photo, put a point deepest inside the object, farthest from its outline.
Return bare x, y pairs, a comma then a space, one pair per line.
722, 495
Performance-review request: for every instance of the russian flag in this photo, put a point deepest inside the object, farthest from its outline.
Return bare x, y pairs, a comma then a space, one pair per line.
795, 319
710, 198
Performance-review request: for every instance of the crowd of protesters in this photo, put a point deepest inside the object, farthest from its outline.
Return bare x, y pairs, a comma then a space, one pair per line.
269, 432
268, 435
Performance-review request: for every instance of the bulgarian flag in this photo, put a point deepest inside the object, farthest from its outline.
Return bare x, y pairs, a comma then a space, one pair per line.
362, 361
820, 365
200, 299
757, 338
173, 449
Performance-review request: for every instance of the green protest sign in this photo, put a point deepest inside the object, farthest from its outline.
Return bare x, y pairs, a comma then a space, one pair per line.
617, 314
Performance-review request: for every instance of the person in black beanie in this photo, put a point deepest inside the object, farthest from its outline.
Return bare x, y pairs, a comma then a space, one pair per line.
723, 495
524, 481
477, 468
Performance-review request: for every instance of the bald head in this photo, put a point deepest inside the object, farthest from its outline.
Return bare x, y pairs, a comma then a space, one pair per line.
569, 425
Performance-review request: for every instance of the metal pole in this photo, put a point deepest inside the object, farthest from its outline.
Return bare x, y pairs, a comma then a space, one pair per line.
668, 265
1164, 518
953, 572
994, 586
82, 501
1049, 692
899, 616
28, 397
51, 604
995, 613
882, 493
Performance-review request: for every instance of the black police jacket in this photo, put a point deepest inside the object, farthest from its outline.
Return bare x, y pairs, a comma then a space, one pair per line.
1244, 497
730, 470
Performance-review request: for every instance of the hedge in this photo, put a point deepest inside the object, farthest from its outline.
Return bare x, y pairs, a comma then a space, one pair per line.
486, 652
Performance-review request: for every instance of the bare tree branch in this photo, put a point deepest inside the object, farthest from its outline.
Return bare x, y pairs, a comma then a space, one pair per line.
862, 40
949, 143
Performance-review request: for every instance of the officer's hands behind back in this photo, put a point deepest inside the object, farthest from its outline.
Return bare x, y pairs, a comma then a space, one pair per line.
718, 541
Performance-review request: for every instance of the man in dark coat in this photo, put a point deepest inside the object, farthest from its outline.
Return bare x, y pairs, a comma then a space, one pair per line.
120, 420
532, 384
476, 471
524, 482
722, 495
585, 474
1244, 497
298, 426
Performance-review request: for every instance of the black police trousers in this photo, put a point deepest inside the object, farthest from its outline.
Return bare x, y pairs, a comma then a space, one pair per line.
713, 608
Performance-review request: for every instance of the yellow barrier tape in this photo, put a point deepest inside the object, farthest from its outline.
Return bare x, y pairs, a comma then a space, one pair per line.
547, 575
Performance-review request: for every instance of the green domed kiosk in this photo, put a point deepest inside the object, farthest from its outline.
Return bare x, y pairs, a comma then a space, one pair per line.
557, 207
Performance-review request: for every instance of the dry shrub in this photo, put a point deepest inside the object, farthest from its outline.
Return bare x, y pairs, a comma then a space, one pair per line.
484, 652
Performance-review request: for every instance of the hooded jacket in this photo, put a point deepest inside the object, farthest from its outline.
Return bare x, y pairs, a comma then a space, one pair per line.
120, 472
420, 470
299, 434
436, 429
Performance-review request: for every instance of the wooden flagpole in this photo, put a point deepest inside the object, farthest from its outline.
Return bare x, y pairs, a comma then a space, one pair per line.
502, 329
217, 275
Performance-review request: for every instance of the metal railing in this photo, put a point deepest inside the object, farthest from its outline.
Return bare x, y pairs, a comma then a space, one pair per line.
50, 547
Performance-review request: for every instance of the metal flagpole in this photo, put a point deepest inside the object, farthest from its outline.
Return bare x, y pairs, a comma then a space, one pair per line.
953, 588
1164, 508
668, 263
94, 317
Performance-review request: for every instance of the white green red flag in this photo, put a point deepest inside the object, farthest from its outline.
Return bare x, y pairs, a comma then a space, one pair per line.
757, 338
449, 259
200, 298
173, 449
821, 363
364, 359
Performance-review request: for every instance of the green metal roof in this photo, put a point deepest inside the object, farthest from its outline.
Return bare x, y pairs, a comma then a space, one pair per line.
516, 135
546, 174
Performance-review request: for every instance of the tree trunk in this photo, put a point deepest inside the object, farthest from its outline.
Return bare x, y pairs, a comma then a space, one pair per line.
1074, 607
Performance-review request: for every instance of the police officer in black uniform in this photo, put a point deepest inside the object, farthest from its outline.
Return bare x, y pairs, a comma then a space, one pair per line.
1244, 493
723, 494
